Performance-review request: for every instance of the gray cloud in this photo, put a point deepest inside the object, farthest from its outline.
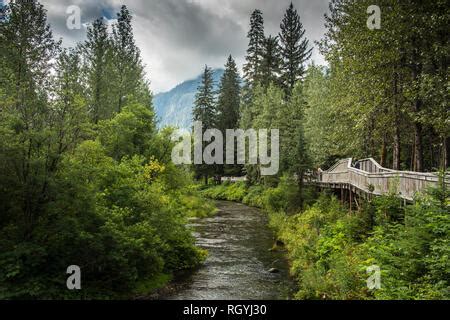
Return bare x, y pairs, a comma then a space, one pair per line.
178, 37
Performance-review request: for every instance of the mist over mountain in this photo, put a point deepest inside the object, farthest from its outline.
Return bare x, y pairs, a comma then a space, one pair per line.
174, 107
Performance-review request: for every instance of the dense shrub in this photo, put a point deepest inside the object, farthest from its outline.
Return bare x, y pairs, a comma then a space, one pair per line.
121, 220
233, 192
254, 196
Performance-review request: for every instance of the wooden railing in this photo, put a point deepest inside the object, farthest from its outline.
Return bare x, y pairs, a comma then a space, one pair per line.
368, 176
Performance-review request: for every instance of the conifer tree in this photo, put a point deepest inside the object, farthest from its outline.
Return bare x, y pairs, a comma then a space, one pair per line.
129, 75
254, 58
294, 49
205, 111
229, 97
97, 53
27, 50
228, 107
204, 108
252, 67
271, 62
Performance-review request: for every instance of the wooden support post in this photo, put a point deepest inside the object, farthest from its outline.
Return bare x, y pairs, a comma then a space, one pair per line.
351, 201
357, 203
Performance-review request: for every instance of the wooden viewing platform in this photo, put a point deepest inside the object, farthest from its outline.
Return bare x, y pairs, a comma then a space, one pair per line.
367, 176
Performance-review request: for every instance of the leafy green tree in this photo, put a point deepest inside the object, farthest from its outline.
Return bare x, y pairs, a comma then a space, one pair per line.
27, 53
265, 110
129, 133
321, 127
108, 200
296, 146
384, 77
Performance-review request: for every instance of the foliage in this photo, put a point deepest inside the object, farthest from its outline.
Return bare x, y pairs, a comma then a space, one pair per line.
228, 110
381, 101
330, 249
294, 49
233, 192
85, 179
271, 63
252, 67
129, 133
205, 111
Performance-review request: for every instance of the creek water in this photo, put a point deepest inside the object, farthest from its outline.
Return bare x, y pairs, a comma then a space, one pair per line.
238, 241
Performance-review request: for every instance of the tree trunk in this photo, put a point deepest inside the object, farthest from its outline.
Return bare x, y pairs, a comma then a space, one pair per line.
396, 138
396, 149
418, 149
445, 153
383, 152
417, 105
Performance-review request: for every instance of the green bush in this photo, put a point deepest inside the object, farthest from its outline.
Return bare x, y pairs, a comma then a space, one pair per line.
284, 197
232, 192
321, 250
413, 255
254, 196
330, 249
123, 222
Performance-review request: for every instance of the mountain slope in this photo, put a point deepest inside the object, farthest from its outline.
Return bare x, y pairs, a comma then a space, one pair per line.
174, 108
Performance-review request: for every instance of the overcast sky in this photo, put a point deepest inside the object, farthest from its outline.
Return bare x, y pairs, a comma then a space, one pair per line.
178, 37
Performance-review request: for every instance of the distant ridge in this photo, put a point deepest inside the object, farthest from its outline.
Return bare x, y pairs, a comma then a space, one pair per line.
174, 107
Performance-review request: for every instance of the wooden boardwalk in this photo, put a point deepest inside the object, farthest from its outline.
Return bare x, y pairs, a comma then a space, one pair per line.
368, 177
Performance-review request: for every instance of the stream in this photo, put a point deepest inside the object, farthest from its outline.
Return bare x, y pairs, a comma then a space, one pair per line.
238, 241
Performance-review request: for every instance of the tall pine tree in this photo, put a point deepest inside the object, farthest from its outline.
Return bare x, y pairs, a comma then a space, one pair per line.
229, 96
204, 108
97, 52
205, 111
271, 63
252, 67
254, 58
294, 49
129, 75
228, 107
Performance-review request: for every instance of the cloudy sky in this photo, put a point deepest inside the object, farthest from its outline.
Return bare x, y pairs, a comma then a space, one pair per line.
178, 37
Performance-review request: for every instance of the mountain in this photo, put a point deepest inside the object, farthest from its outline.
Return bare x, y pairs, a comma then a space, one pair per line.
174, 108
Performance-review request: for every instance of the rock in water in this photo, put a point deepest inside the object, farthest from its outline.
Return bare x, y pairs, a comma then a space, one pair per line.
274, 270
